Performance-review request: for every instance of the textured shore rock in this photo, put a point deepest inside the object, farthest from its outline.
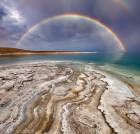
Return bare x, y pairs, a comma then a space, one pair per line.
56, 98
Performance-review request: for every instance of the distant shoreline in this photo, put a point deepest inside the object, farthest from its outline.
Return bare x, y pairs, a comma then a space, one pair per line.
47, 53
16, 51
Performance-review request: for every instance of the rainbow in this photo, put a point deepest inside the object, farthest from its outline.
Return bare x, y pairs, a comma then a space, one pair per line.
123, 4
73, 16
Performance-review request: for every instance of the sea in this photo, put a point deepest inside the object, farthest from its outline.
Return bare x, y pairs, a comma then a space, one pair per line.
127, 61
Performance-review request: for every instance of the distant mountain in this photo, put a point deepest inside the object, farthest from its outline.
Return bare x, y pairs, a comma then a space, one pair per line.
4, 50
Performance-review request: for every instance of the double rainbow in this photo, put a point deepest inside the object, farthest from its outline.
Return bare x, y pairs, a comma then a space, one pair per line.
74, 16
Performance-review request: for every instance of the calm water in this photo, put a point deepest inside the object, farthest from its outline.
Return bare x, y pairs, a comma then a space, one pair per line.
126, 61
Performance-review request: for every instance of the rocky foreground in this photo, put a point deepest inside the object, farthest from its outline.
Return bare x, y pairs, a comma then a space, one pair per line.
56, 98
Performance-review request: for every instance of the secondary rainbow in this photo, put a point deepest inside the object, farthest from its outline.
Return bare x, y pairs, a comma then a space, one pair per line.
73, 16
124, 4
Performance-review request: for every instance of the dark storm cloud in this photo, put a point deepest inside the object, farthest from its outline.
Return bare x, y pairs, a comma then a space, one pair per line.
2, 14
125, 21
122, 17
11, 23
36, 10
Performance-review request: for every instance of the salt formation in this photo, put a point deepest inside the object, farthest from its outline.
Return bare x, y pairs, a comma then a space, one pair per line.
56, 98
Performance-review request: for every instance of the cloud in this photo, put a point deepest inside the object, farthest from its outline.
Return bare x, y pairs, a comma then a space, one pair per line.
2, 14
12, 23
11, 13
17, 15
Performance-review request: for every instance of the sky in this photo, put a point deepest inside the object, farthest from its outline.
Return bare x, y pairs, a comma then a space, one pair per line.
122, 16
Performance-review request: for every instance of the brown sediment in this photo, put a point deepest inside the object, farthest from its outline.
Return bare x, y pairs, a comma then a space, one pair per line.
29, 116
134, 86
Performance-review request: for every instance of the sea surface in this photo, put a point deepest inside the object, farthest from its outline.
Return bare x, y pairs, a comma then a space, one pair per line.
127, 61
